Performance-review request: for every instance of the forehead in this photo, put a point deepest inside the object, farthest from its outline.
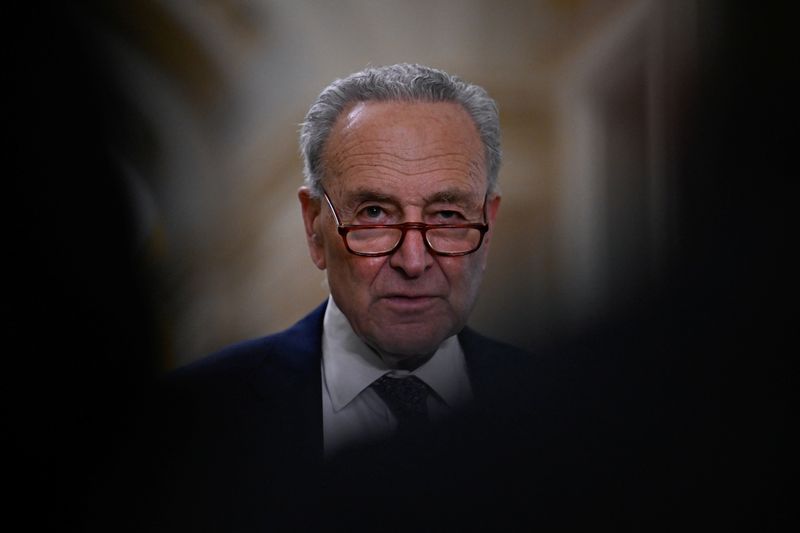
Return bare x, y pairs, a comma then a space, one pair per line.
408, 147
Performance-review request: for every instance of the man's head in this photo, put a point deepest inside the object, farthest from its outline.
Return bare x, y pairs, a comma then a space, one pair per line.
402, 144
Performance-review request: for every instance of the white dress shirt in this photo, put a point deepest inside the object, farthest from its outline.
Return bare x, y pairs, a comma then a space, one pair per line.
352, 412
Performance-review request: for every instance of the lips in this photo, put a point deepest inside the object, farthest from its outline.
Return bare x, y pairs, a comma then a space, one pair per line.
404, 302
410, 296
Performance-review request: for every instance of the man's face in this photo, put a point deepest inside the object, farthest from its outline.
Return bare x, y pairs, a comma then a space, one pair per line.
393, 162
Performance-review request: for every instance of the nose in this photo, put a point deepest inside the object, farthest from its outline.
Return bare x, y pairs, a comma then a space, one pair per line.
413, 257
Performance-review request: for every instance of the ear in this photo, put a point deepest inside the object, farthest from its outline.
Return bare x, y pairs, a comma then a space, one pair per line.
310, 208
492, 207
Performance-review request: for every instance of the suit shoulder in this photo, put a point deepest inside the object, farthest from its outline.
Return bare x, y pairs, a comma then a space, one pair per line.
481, 346
296, 348
492, 359
234, 358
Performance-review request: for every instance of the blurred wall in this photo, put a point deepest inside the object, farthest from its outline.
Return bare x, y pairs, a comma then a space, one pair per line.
590, 92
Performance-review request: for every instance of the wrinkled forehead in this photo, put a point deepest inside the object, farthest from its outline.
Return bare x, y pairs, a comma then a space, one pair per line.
372, 140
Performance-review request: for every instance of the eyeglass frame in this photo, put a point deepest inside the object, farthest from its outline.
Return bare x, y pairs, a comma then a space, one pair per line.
422, 227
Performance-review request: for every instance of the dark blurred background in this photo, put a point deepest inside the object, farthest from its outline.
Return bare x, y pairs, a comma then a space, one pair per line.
152, 218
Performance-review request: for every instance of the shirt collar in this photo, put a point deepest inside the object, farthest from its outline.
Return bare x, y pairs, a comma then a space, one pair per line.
349, 366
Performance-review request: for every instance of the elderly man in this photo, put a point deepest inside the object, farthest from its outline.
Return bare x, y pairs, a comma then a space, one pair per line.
399, 207
383, 378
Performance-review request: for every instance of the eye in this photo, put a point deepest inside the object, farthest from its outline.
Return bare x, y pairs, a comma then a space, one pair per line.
372, 214
448, 215
372, 211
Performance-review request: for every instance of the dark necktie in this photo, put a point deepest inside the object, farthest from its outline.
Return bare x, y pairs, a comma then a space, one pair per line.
407, 398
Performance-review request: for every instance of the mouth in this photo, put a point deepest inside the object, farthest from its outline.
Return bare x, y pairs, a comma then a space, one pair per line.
410, 302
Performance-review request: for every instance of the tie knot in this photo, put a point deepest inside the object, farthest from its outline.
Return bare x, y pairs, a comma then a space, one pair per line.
407, 399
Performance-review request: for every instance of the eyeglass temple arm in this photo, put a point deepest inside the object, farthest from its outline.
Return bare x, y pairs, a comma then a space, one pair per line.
335, 215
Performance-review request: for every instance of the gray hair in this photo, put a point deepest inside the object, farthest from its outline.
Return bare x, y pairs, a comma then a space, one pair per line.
402, 82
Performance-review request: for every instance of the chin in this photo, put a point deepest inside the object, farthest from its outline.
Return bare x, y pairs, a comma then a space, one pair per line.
410, 343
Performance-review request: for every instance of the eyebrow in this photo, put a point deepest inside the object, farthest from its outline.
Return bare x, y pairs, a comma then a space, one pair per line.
447, 196
368, 195
450, 196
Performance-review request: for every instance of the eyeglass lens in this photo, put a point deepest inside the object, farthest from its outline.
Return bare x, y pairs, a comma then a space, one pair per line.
445, 240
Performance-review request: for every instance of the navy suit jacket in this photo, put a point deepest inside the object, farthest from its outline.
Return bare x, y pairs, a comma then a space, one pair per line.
236, 442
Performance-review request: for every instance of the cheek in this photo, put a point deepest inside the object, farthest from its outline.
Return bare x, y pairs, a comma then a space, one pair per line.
464, 275
352, 272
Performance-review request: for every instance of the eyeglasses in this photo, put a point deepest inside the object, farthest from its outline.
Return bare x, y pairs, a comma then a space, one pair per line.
374, 240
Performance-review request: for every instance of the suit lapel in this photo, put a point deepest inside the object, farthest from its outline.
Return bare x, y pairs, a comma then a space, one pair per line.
483, 366
502, 376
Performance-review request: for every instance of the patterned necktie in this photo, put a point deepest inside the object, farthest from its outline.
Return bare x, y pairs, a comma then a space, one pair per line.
407, 398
